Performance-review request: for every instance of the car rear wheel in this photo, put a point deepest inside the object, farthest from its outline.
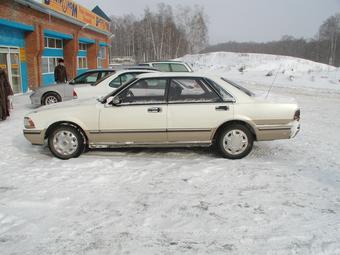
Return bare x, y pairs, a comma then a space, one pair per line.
235, 142
51, 98
66, 142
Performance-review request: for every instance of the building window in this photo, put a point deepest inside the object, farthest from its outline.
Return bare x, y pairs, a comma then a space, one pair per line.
82, 62
53, 43
48, 64
83, 46
101, 56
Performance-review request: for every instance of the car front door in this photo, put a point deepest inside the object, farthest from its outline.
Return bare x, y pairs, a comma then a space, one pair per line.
139, 117
195, 110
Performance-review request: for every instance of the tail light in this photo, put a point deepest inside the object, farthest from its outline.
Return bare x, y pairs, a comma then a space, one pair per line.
75, 96
297, 115
28, 122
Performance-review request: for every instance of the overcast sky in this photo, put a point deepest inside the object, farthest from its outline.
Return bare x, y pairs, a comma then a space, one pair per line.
242, 20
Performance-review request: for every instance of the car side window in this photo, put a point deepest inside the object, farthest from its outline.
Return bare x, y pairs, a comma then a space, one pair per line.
86, 78
179, 68
163, 67
147, 91
122, 79
191, 90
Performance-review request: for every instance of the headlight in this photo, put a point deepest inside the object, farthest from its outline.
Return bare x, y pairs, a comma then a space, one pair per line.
28, 122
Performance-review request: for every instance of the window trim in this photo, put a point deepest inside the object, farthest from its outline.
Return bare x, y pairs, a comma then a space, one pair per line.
48, 64
204, 82
55, 40
151, 103
82, 68
86, 46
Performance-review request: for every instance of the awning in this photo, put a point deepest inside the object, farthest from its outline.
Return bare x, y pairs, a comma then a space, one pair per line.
57, 34
103, 44
86, 40
17, 25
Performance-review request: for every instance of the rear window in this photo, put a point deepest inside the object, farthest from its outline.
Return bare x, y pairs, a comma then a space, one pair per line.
163, 67
243, 89
178, 68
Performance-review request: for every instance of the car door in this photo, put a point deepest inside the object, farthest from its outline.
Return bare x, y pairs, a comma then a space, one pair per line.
139, 117
195, 110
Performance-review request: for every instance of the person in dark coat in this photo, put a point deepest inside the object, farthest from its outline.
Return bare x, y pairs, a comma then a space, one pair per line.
5, 92
60, 75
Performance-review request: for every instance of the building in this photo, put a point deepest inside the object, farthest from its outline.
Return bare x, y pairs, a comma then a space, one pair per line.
34, 34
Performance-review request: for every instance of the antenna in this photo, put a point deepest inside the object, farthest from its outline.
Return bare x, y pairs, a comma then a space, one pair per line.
272, 85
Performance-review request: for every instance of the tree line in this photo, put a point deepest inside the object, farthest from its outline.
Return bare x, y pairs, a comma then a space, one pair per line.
160, 34
324, 47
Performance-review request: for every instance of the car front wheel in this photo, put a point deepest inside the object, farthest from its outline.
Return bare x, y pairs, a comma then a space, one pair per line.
66, 142
235, 142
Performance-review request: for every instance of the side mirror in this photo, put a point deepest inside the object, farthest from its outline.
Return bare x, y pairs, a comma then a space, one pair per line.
116, 100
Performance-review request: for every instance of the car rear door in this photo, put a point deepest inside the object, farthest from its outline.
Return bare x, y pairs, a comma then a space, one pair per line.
195, 110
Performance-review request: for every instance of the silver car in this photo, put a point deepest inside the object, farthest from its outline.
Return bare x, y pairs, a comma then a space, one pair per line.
72, 90
55, 93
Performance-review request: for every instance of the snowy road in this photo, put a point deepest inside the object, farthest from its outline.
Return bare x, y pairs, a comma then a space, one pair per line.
282, 199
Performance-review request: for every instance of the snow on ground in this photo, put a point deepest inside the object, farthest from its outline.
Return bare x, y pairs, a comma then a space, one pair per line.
284, 198
289, 71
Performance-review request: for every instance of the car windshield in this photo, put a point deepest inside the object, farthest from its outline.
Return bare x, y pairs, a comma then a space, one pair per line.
243, 89
103, 99
103, 78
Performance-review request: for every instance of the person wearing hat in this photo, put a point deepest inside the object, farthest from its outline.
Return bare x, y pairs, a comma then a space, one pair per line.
60, 75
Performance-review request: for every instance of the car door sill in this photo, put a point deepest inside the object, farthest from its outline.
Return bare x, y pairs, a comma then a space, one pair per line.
156, 144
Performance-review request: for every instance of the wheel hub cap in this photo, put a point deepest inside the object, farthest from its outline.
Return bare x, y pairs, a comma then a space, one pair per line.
65, 143
51, 100
235, 142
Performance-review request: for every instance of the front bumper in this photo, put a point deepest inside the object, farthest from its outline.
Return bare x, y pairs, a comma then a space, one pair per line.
36, 137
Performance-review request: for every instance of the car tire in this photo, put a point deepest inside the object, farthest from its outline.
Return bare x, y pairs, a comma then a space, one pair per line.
235, 141
50, 98
66, 142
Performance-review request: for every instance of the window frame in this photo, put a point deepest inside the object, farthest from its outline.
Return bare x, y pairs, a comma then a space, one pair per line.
201, 80
133, 82
83, 44
78, 62
48, 63
46, 41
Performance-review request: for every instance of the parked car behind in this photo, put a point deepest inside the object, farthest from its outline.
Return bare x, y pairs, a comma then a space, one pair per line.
90, 84
55, 93
165, 109
169, 66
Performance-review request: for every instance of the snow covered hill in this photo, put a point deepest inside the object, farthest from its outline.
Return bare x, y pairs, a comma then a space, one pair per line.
262, 68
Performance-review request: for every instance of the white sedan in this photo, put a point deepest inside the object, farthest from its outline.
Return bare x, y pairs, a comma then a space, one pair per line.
165, 109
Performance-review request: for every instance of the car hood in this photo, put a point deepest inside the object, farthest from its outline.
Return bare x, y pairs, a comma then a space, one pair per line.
67, 104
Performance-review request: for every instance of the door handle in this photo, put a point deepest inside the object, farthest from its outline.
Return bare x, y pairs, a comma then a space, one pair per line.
222, 108
155, 110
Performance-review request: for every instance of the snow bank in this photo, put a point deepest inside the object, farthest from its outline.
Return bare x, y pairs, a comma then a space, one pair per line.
262, 68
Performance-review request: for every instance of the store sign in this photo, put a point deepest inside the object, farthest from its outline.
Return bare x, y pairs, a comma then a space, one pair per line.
76, 11
22, 55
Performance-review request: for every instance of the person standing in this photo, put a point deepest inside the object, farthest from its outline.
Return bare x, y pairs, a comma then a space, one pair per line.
5, 92
60, 75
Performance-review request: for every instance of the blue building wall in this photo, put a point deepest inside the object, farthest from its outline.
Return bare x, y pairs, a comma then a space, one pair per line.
11, 37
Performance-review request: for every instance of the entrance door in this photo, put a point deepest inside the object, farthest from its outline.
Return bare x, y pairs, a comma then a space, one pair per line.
10, 61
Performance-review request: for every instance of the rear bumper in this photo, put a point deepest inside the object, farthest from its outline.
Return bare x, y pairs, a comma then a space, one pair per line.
36, 137
277, 132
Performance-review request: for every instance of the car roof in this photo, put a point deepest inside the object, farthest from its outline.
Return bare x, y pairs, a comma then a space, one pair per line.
174, 74
100, 70
166, 61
